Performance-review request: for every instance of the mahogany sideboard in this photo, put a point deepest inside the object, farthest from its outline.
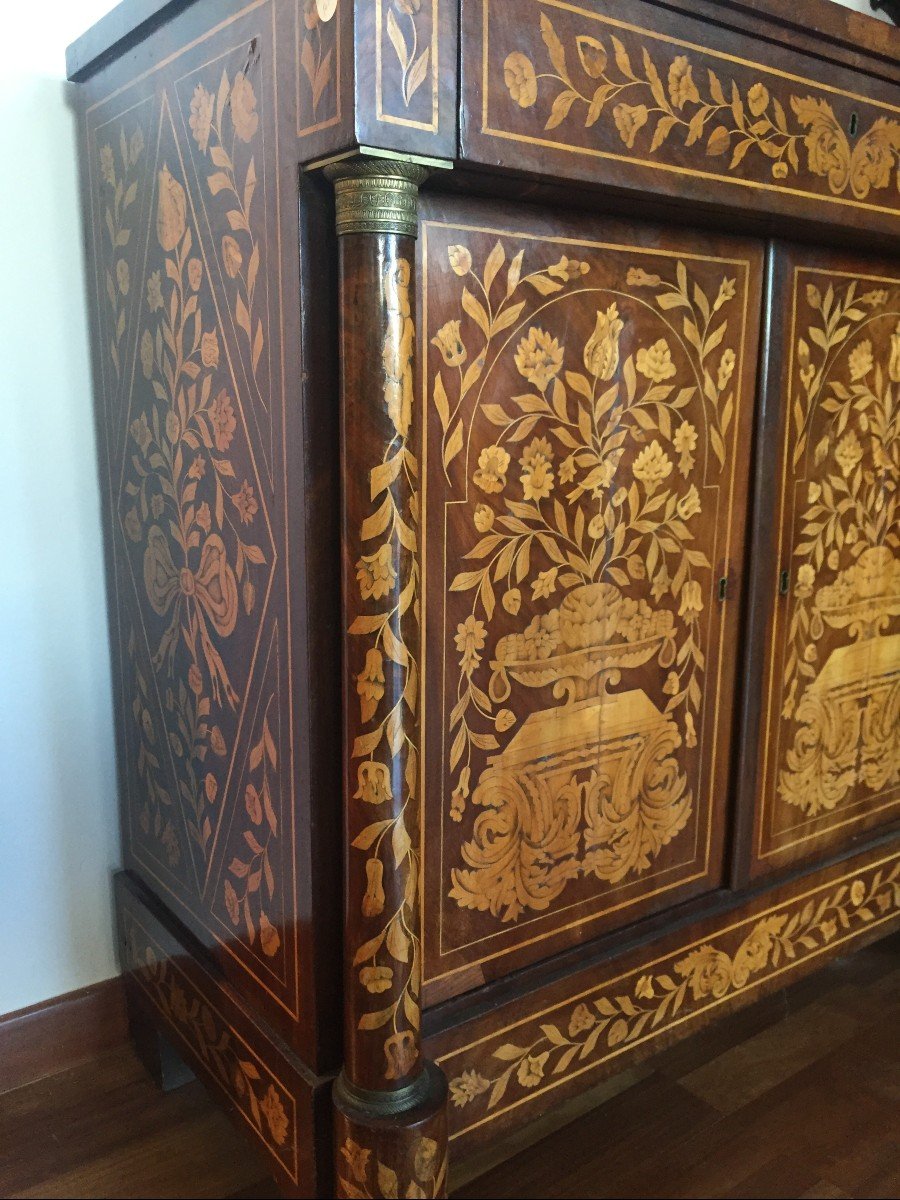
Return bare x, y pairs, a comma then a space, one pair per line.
498, 410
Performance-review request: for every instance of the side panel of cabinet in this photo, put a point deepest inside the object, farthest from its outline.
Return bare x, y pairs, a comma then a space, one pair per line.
824, 649
587, 387
203, 431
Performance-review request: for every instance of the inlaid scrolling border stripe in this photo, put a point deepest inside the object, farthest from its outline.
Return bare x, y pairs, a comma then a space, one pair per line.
526, 1059
522, 87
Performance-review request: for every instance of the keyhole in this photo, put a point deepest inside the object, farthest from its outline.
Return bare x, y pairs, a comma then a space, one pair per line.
785, 583
854, 124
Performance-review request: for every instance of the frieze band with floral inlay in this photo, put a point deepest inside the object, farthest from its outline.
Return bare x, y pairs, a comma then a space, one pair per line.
530, 1057
603, 86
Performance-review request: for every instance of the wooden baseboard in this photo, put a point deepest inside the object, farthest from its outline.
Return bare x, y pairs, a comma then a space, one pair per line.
61, 1032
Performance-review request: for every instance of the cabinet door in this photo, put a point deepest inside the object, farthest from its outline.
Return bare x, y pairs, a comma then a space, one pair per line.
588, 389
825, 645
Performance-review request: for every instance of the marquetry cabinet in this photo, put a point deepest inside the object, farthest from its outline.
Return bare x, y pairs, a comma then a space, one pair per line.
498, 414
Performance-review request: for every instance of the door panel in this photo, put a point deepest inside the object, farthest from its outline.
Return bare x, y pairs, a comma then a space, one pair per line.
587, 386
827, 637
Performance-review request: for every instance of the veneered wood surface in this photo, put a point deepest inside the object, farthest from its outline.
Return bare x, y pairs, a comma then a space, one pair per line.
207, 447
823, 687
647, 100
586, 389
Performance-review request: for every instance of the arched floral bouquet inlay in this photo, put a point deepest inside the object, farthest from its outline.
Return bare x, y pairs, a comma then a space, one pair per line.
840, 680
584, 485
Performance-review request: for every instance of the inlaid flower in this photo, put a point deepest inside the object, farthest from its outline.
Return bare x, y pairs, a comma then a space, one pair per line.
652, 466
567, 469
370, 684
356, 1158
894, 366
209, 349
806, 578
708, 972
537, 480
460, 260
545, 584
638, 277
147, 353
512, 601
520, 79
857, 892
132, 525
483, 518
123, 276
581, 1020
672, 686
682, 89
171, 210
568, 269
246, 503
376, 979
537, 450
373, 783
726, 368
656, 363
450, 344
401, 1053
232, 259
467, 1087
201, 116
689, 504
470, 638
531, 1069
860, 361
276, 1118
828, 930
223, 420
758, 99
601, 353
685, 442
425, 1159
243, 107
643, 989
375, 573
826, 143
630, 120
539, 357
493, 463
154, 292
849, 453
141, 433
326, 9
691, 600
374, 898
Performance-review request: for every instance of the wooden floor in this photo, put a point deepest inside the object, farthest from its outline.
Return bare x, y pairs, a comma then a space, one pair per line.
797, 1096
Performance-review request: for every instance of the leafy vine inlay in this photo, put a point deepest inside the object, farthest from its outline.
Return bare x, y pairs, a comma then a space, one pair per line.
385, 752
591, 1028
705, 111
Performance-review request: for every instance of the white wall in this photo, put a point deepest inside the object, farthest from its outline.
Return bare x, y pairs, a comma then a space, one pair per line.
58, 825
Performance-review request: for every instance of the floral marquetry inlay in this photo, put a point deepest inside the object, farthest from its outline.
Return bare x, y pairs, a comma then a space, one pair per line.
592, 83
583, 405
533, 1056
835, 731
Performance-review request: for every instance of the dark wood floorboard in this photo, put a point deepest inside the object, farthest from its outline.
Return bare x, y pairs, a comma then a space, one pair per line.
798, 1096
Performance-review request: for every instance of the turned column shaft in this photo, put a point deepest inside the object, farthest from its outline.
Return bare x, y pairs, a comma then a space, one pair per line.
390, 1103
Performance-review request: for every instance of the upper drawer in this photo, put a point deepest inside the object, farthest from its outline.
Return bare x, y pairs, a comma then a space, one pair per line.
637, 97
825, 643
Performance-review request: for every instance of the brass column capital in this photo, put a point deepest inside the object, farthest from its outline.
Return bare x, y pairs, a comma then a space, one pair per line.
377, 195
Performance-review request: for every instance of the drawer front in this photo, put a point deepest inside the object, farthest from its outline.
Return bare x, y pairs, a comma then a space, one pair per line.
586, 387
643, 99
828, 560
